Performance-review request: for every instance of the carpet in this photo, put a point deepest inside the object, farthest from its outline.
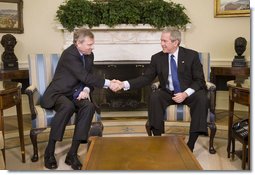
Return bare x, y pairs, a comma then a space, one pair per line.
116, 126
218, 161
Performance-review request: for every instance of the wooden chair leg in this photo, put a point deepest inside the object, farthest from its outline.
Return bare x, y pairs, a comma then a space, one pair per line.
233, 148
213, 130
33, 137
148, 128
244, 156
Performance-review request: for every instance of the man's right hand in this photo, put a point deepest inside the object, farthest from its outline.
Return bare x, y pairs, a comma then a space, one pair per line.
116, 85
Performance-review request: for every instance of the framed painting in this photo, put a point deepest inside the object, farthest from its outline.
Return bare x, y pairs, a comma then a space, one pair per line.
11, 16
231, 8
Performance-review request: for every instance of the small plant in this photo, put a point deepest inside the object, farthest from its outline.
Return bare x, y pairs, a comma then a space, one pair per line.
158, 13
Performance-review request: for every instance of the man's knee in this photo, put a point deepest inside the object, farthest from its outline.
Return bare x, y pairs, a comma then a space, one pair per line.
91, 106
87, 105
68, 107
155, 96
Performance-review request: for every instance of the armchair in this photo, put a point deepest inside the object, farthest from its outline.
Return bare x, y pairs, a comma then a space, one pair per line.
41, 71
179, 113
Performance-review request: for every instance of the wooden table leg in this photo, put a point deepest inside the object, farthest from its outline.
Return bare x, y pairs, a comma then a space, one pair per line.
2, 128
21, 131
230, 123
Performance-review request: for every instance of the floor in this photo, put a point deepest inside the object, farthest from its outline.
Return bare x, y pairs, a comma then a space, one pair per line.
119, 126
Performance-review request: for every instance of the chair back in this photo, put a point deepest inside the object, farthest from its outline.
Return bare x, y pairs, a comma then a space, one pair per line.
41, 70
205, 60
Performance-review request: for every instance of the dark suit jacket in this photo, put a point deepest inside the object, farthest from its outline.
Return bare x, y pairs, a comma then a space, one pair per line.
190, 71
69, 75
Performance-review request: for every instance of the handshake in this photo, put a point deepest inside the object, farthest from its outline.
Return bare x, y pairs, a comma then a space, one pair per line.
116, 85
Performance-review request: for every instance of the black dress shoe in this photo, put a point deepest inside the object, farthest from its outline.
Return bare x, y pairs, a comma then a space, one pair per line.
50, 161
72, 159
156, 132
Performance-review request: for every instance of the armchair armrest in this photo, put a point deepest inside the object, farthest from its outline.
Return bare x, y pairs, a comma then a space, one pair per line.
33, 98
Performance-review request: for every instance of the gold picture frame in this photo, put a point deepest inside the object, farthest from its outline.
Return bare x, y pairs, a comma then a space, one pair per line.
11, 16
231, 8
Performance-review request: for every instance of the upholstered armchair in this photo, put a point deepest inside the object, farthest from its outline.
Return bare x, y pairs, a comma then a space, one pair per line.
41, 71
181, 113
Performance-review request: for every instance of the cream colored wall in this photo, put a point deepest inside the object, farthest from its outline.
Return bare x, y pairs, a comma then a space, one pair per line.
209, 34
40, 33
214, 35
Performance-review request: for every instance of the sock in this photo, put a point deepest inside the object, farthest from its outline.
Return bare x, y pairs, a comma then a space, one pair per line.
192, 140
51, 146
74, 147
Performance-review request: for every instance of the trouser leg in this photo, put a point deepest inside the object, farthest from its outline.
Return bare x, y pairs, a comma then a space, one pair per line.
86, 110
64, 108
159, 100
198, 104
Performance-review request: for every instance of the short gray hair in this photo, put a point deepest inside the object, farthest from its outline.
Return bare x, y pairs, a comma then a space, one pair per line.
81, 33
175, 33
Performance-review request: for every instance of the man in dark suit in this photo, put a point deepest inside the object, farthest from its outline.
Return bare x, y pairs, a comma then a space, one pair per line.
68, 93
181, 78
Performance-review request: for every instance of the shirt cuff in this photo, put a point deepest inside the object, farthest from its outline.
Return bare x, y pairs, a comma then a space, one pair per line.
189, 91
107, 83
86, 89
126, 86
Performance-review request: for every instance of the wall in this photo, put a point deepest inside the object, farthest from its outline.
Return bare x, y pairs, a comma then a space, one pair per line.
208, 34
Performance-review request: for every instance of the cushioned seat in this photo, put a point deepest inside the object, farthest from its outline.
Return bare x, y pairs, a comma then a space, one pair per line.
181, 113
41, 71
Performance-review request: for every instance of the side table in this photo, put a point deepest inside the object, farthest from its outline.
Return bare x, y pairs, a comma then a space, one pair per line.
238, 93
217, 73
20, 75
10, 95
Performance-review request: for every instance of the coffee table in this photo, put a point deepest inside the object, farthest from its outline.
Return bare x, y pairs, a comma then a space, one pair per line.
139, 153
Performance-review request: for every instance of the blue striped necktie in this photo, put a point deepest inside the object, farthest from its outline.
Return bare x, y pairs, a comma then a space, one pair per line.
174, 73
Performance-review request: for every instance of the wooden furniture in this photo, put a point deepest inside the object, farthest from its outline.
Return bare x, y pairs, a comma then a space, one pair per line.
10, 95
2, 150
181, 113
20, 75
220, 75
139, 153
238, 93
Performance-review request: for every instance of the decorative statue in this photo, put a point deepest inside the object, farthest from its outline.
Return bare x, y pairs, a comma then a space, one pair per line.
9, 59
240, 47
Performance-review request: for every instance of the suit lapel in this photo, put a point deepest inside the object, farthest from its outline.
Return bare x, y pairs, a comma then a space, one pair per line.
165, 66
88, 62
181, 62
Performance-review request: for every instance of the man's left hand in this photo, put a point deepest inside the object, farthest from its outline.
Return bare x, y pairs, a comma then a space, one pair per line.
180, 97
83, 95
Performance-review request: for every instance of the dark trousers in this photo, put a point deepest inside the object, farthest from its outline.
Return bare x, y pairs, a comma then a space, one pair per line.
65, 108
198, 103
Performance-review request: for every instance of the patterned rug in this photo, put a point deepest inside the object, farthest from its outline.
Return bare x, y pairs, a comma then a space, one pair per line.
131, 125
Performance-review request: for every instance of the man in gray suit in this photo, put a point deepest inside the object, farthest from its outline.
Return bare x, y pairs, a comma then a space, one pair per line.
68, 93
181, 78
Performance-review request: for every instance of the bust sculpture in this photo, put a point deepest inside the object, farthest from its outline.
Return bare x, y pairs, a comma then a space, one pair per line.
240, 47
9, 59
